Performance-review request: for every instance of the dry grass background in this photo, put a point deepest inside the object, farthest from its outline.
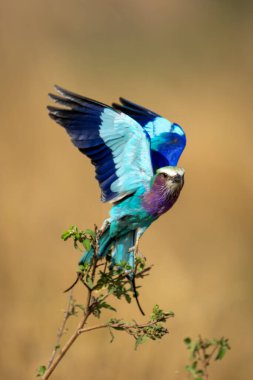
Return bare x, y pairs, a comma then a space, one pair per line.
190, 62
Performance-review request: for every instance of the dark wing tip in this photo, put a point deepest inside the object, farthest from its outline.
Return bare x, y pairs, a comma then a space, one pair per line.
118, 107
54, 97
52, 110
60, 89
124, 101
53, 113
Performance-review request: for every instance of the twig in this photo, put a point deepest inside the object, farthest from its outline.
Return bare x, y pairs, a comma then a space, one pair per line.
212, 353
205, 360
61, 330
56, 360
72, 339
122, 325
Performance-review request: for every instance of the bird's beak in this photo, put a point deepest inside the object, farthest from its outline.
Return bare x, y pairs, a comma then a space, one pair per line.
178, 179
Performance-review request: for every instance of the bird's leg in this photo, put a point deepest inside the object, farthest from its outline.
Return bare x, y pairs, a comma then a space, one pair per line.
139, 233
104, 226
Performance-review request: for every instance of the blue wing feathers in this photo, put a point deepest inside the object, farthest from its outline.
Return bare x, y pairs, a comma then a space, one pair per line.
71, 97
82, 122
116, 144
140, 114
167, 139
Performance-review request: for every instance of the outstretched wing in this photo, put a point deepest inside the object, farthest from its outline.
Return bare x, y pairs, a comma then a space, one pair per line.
115, 143
167, 139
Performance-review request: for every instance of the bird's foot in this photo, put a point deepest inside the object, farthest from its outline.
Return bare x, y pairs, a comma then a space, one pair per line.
134, 249
104, 226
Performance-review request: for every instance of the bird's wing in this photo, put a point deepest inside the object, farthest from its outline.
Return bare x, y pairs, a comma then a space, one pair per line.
167, 139
115, 143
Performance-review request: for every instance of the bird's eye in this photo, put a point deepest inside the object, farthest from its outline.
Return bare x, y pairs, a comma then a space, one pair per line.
164, 175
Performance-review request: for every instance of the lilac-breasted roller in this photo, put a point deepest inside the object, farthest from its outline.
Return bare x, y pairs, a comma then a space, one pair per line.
135, 153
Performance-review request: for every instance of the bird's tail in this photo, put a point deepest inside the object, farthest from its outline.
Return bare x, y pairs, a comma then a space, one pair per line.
104, 245
119, 248
122, 253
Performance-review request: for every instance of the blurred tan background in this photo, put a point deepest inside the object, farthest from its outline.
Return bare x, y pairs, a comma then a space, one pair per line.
190, 61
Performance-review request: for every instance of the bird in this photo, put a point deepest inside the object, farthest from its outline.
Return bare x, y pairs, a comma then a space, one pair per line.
135, 153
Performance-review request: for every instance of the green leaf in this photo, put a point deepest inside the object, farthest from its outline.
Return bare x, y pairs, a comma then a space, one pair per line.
41, 370
187, 341
89, 282
194, 365
65, 235
191, 369
90, 232
87, 244
140, 340
221, 353
119, 328
128, 298
106, 305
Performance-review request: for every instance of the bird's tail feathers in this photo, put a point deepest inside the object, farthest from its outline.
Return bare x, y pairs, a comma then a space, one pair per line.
105, 242
120, 252
120, 249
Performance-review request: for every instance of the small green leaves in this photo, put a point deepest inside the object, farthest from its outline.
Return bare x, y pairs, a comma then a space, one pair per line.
105, 305
159, 315
87, 244
187, 341
89, 281
194, 371
86, 238
90, 232
140, 340
223, 348
152, 330
41, 370
202, 352
140, 263
117, 324
100, 304
116, 282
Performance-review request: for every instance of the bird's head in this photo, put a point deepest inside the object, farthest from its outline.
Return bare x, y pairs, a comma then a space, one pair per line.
170, 176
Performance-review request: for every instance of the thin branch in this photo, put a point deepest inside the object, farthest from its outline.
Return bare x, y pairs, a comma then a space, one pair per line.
213, 352
80, 331
70, 342
122, 325
205, 360
61, 330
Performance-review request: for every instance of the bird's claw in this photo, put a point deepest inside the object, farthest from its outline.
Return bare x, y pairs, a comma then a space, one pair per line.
134, 249
103, 227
